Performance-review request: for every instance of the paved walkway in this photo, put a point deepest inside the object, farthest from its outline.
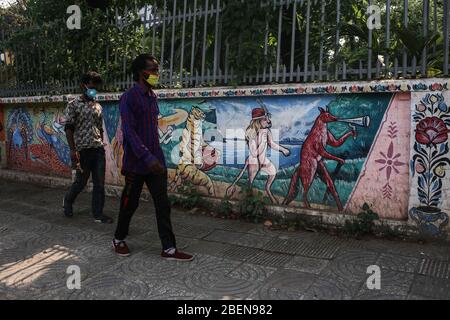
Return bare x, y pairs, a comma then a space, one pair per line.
234, 260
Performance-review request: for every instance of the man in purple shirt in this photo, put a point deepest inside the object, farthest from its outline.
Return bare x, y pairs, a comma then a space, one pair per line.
143, 159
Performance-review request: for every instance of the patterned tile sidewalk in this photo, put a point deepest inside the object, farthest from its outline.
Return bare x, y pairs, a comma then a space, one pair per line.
234, 260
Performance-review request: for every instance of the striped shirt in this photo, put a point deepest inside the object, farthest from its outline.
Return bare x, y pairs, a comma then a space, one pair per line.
139, 114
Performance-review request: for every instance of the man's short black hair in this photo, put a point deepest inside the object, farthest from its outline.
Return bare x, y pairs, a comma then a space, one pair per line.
91, 76
138, 64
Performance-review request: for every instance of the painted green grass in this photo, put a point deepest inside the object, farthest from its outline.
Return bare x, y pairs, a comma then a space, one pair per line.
344, 181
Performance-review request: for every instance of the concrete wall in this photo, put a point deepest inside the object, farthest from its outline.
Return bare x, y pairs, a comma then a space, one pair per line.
402, 172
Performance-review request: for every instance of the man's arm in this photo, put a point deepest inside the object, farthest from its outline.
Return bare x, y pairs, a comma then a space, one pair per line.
129, 133
70, 139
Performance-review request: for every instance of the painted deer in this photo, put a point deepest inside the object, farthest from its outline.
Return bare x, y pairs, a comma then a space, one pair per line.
312, 155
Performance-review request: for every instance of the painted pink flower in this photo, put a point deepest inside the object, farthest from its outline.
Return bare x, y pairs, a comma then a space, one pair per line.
331, 89
389, 161
431, 130
421, 107
436, 87
420, 168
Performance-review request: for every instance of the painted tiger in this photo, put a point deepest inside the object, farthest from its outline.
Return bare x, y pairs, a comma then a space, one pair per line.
192, 165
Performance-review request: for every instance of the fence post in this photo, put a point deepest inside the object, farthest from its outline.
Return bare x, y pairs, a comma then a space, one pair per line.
322, 23
183, 35
294, 24
205, 30
266, 40
426, 21
280, 21
338, 21
163, 36
194, 25
446, 26
308, 16
405, 25
216, 41
388, 37
172, 42
369, 52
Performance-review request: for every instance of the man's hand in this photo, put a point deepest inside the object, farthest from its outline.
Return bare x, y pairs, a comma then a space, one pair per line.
156, 167
75, 158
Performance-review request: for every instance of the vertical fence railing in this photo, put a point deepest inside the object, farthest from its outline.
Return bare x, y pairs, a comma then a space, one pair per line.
426, 10
446, 28
286, 66
302, 41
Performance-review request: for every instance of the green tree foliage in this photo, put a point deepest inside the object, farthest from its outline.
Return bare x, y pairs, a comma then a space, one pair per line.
46, 51
402, 38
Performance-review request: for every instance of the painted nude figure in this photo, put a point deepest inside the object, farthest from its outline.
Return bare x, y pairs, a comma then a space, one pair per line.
259, 137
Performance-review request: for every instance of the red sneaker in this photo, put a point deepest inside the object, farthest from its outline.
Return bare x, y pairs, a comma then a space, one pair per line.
177, 256
121, 248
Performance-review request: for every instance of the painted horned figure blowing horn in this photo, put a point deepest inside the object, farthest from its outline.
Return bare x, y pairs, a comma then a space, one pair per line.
314, 153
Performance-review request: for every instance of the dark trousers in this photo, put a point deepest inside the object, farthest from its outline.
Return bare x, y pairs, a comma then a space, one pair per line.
157, 185
91, 161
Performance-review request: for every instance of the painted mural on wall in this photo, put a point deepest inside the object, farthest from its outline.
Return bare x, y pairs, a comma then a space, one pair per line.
36, 140
2, 126
304, 151
430, 163
2, 138
279, 145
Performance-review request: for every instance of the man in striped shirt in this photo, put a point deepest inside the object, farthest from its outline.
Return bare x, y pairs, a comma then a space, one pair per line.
143, 159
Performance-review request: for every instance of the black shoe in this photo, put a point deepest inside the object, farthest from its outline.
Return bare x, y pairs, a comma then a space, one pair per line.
68, 212
103, 219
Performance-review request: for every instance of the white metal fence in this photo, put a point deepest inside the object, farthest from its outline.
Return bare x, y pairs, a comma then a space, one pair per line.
303, 41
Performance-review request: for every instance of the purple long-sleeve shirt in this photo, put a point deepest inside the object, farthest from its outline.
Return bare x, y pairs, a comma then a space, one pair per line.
139, 114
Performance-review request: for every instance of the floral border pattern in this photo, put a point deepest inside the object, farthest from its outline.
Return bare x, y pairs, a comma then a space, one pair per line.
278, 90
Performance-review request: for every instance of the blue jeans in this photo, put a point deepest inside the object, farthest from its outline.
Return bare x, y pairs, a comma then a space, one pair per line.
91, 161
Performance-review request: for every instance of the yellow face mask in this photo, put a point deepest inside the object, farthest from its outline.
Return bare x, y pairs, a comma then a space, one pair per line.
152, 80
